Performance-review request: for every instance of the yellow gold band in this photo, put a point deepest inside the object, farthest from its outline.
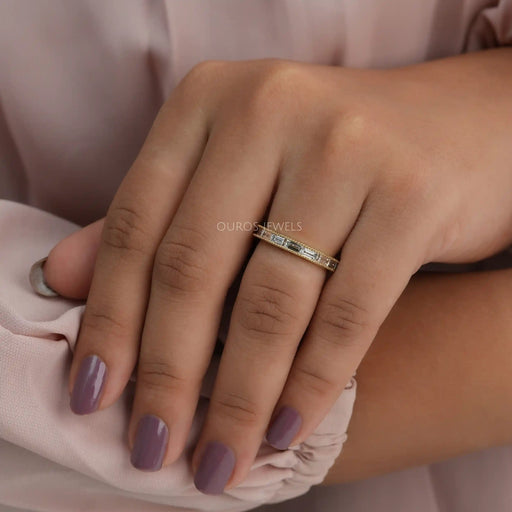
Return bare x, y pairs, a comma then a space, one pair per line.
295, 247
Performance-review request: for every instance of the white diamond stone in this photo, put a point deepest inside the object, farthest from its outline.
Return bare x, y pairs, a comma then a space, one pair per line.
309, 253
277, 239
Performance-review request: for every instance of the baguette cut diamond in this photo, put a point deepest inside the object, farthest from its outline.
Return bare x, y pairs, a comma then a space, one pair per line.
277, 239
299, 248
309, 253
293, 246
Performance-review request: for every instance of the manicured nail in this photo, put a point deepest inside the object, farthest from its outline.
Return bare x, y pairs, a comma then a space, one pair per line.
88, 385
215, 468
150, 443
37, 280
284, 428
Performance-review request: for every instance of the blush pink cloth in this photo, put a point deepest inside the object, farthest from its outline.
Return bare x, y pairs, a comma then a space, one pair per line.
80, 83
37, 336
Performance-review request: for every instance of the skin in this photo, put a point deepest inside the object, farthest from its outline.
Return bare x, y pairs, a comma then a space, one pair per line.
453, 331
436, 381
397, 157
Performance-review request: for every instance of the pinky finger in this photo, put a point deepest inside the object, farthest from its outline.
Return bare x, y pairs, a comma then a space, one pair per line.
376, 265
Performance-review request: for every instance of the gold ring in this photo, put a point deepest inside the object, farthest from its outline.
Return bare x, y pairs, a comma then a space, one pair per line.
295, 247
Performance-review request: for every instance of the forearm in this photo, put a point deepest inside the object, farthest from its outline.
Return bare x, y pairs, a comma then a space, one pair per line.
437, 381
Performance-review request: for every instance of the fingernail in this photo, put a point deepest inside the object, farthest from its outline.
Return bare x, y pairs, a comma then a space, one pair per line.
284, 428
215, 468
150, 443
88, 385
37, 280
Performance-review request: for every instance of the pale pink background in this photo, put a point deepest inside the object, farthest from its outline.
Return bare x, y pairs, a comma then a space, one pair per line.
80, 83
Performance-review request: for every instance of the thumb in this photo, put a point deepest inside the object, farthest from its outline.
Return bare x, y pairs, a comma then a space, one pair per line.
69, 267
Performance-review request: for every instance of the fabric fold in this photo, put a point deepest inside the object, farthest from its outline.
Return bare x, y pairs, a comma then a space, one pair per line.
37, 337
491, 27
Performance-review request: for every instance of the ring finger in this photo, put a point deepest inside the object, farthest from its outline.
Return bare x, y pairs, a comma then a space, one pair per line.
276, 300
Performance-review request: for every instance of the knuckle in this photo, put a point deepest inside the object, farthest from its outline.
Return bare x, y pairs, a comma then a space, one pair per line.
341, 321
206, 68
273, 87
194, 88
236, 408
180, 263
312, 382
160, 377
123, 230
347, 130
202, 74
265, 310
101, 321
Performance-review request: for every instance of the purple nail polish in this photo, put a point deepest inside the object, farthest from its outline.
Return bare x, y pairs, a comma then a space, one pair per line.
215, 468
150, 443
88, 385
284, 428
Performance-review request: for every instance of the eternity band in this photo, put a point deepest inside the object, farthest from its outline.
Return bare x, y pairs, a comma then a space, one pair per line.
296, 247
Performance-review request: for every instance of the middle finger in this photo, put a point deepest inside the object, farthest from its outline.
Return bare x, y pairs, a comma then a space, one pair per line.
277, 297
194, 266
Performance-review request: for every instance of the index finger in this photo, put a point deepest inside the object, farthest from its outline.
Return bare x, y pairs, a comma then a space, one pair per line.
107, 345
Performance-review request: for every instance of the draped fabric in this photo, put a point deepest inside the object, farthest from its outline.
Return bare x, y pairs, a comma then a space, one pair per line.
80, 84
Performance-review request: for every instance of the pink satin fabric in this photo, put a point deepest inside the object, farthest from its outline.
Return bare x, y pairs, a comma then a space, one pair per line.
80, 83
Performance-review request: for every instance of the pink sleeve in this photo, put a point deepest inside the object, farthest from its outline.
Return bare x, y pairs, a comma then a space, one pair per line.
69, 462
491, 27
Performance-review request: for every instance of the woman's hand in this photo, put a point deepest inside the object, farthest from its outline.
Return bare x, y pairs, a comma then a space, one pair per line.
394, 168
